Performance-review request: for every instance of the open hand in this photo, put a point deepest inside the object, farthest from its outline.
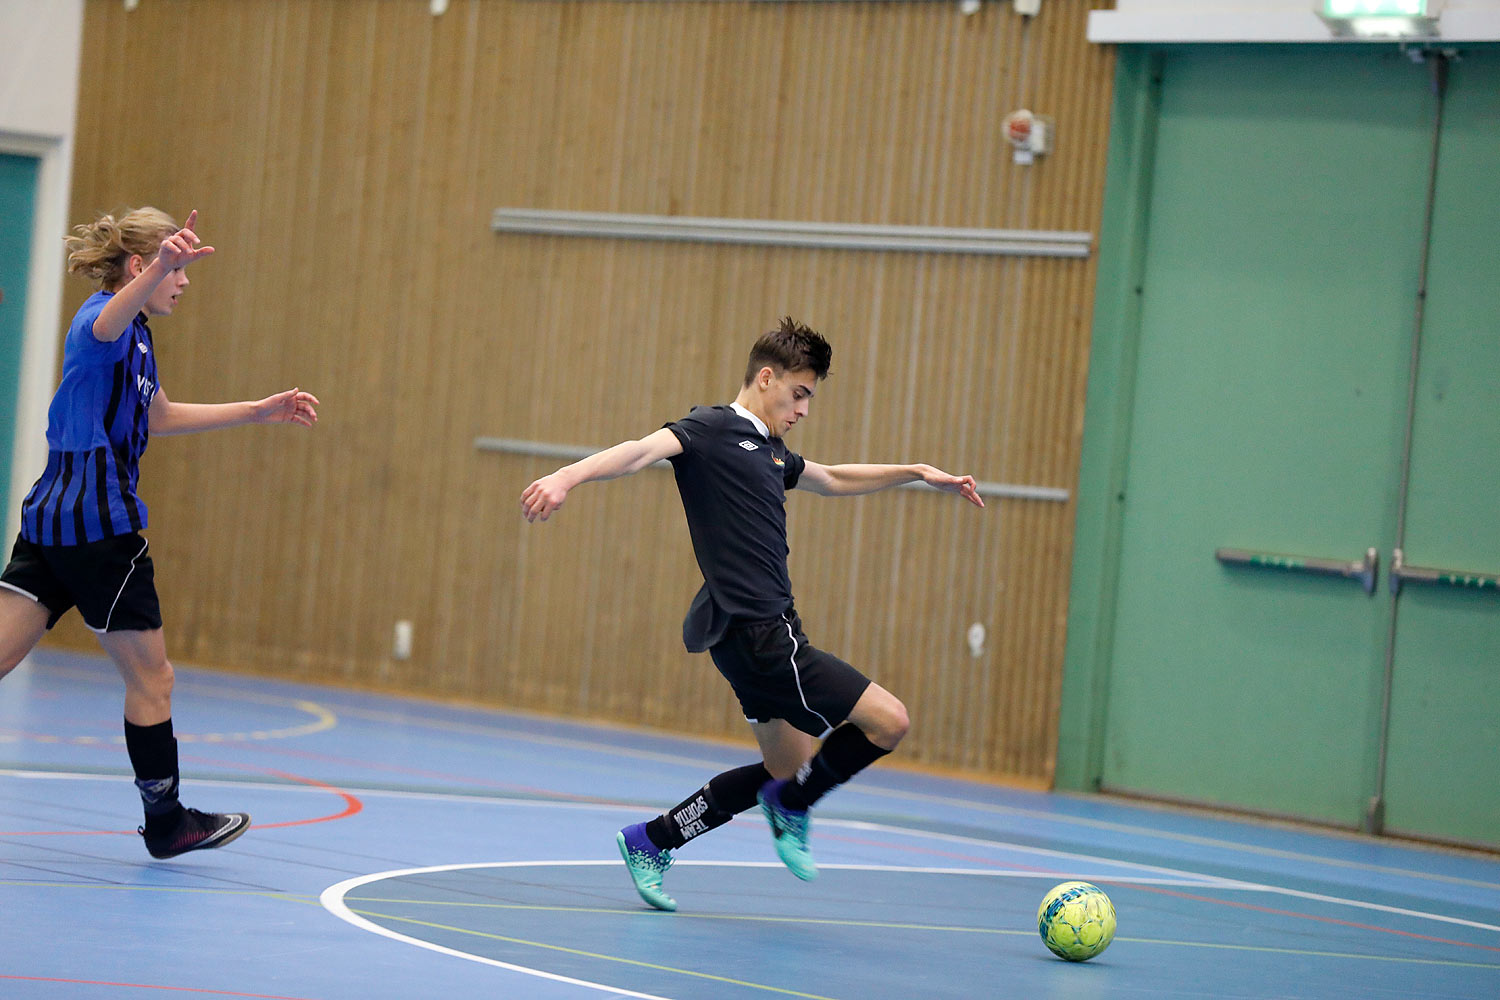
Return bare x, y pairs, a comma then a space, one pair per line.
291, 407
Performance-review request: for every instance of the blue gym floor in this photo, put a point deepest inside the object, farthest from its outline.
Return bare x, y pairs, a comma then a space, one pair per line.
408, 849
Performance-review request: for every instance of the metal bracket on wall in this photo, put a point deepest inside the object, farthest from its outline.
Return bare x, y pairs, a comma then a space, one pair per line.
1402, 573
1363, 570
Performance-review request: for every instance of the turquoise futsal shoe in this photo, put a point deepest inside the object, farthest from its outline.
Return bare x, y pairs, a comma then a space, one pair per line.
789, 827
646, 864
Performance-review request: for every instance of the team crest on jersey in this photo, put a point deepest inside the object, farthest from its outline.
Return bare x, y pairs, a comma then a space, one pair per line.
749, 445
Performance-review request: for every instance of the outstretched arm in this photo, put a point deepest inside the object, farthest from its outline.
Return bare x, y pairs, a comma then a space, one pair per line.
290, 407
543, 497
852, 480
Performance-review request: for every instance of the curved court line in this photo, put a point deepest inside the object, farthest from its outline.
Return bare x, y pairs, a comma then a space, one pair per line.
352, 804
323, 719
479, 729
939, 928
149, 986
335, 897
332, 899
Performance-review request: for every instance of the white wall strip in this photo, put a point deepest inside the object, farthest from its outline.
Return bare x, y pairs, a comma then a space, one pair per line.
573, 452
772, 232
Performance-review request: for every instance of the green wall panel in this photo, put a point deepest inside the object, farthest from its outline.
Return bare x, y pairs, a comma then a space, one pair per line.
1278, 283
17, 203
1443, 776
1259, 273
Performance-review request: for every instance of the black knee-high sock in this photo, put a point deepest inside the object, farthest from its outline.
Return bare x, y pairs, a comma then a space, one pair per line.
715, 804
843, 755
153, 755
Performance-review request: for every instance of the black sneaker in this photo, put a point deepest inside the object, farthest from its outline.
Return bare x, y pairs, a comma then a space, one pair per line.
196, 831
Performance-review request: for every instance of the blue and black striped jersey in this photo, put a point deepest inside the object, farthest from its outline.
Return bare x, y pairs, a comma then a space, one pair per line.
97, 427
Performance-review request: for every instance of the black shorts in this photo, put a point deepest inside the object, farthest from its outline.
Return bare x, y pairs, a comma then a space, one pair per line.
777, 674
111, 582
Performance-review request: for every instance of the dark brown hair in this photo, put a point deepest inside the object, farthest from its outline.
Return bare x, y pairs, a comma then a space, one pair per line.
791, 347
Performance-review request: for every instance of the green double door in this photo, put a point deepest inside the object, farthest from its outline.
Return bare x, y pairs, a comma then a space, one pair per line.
1270, 409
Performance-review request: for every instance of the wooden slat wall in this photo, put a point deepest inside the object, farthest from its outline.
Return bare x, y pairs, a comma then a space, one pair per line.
346, 156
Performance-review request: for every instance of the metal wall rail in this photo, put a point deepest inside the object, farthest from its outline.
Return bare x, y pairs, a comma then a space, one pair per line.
1362, 570
1463, 579
573, 452
773, 232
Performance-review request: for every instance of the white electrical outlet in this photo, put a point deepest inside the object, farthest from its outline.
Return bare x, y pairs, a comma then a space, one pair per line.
401, 646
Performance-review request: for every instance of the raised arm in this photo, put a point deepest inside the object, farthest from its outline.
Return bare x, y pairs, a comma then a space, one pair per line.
178, 250
290, 407
852, 480
543, 497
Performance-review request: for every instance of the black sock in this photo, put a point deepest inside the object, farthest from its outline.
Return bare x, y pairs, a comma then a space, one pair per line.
843, 755
715, 804
153, 755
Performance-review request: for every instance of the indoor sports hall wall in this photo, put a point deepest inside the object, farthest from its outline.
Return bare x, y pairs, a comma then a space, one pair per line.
347, 155
1252, 381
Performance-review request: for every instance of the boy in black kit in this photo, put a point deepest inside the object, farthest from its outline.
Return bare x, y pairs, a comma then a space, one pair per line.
733, 470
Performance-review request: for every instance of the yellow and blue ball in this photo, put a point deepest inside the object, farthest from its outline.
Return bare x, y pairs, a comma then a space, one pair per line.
1076, 921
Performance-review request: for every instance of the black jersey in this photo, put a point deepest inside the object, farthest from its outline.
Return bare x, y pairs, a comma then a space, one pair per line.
733, 482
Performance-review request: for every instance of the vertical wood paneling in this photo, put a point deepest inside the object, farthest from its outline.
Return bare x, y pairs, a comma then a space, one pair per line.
346, 156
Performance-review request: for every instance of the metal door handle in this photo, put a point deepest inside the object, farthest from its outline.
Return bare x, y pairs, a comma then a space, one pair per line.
1362, 570
1442, 577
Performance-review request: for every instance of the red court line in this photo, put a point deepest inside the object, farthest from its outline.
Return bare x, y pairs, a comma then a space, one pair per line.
1164, 892
150, 986
352, 805
1307, 916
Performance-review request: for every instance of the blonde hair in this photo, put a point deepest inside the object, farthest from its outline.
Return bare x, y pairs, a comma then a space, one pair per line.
100, 249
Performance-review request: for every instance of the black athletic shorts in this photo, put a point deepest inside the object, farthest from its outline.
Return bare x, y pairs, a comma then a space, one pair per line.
111, 582
777, 674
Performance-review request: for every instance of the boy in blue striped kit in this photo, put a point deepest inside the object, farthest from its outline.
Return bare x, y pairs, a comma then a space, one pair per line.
80, 543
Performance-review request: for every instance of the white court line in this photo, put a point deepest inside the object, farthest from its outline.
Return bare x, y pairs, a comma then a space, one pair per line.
496, 731
1167, 876
332, 899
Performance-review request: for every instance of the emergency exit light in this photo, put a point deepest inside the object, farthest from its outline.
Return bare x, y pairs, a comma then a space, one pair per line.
1414, 19
1375, 8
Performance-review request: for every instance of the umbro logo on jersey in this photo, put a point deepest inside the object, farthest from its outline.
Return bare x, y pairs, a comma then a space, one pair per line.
749, 445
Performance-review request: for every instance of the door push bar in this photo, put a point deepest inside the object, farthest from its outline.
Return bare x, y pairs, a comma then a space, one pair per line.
1402, 573
1362, 570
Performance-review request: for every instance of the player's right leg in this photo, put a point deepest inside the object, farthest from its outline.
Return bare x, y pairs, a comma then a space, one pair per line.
787, 751
23, 622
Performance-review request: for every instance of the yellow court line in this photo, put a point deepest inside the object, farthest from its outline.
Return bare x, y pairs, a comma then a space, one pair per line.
592, 954
480, 729
288, 897
747, 918
895, 926
323, 719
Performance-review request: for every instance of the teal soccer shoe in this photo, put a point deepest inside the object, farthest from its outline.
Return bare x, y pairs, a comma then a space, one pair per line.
646, 863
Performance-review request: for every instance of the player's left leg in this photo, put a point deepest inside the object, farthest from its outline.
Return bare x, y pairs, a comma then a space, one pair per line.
170, 829
647, 847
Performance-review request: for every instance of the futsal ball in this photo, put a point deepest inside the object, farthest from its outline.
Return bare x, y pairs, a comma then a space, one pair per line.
1076, 921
